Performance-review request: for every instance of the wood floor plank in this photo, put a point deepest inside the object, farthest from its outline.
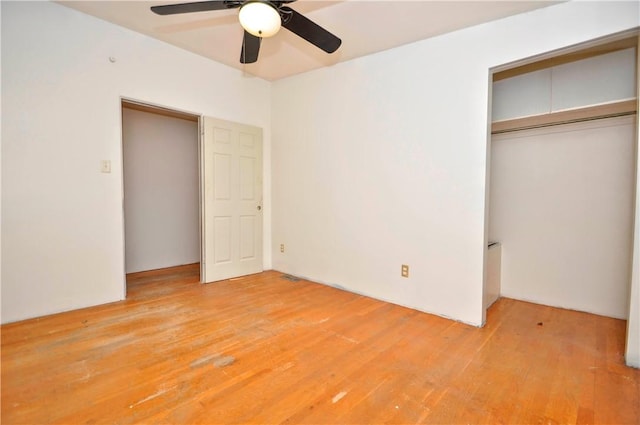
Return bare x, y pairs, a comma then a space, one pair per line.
263, 349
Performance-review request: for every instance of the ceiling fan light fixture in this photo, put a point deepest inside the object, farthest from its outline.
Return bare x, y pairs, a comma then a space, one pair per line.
260, 18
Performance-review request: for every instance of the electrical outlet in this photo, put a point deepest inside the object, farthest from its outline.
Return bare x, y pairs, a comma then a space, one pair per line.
105, 166
404, 270
281, 247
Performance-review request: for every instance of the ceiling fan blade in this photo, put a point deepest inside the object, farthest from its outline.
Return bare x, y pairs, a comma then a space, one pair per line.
309, 30
199, 6
250, 48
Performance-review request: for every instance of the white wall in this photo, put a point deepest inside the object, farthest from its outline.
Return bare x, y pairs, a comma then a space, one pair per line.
0, 167
562, 206
382, 160
600, 79
62, 220
632, 352
162, 191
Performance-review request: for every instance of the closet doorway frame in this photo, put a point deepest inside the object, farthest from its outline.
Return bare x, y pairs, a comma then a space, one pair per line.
143, 106
573, 53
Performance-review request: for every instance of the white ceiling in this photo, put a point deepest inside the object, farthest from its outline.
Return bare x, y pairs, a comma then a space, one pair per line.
364, 26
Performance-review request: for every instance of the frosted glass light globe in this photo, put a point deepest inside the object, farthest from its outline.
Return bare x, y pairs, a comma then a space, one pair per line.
260, 18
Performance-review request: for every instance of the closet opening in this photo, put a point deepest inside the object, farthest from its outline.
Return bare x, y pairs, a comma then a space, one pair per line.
161, 186
561, 180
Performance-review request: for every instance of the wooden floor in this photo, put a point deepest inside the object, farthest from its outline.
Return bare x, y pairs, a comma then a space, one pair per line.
262, 349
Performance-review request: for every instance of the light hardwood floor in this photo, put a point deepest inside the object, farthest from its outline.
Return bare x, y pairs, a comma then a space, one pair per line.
262, 349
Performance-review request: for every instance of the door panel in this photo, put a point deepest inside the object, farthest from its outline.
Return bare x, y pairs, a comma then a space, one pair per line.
247, 237
222, 240
232, 207
222, 176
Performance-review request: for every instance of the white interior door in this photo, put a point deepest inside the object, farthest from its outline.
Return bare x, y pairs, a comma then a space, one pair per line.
232, 200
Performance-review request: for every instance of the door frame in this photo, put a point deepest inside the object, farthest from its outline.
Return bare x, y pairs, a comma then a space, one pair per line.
631, 353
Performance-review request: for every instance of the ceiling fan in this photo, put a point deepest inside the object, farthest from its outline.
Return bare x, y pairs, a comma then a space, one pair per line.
261, 18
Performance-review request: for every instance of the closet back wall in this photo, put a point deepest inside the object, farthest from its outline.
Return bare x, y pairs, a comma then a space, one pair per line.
161, 191
562, 207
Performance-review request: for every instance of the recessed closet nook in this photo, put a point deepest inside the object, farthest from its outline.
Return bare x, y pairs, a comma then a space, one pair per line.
562, 180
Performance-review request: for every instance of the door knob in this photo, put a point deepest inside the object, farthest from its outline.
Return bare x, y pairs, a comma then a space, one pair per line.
259, 207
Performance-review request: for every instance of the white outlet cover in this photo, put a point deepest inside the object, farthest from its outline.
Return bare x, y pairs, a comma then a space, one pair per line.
105, 166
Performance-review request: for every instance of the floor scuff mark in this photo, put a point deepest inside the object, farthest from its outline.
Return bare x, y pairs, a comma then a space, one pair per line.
151, 397
223, 361
202, 361
216, 359
86, 372
284, 367
354, 341
338, 396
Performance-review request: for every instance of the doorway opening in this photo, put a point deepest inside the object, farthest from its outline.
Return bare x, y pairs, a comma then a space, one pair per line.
161, 186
